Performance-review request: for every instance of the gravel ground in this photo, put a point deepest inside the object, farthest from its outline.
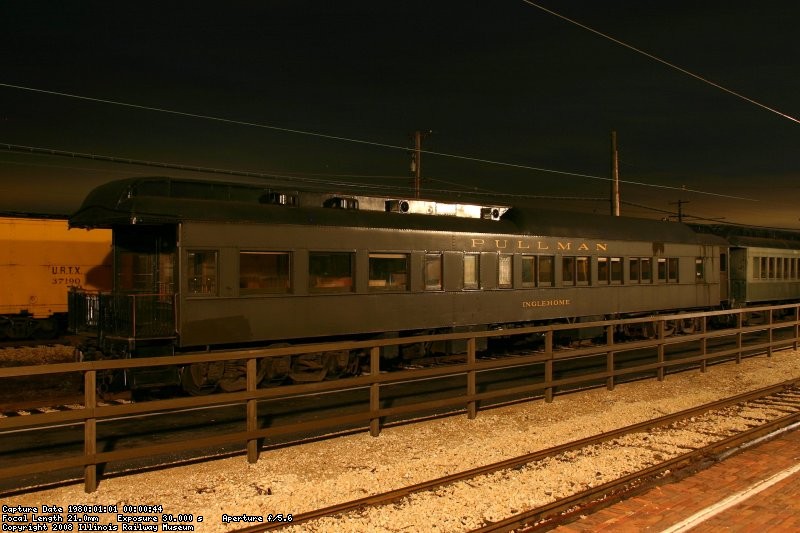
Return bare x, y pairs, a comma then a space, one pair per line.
302, 478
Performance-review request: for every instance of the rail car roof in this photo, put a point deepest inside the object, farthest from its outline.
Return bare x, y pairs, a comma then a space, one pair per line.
169, 201
750, 237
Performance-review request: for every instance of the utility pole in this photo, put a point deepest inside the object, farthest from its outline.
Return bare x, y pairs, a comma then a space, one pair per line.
680, 208
416, 160
614, 175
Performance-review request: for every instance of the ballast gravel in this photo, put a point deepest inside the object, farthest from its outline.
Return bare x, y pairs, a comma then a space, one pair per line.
302, 478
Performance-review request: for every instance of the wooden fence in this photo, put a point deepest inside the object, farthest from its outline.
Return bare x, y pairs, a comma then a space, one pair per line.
762, 322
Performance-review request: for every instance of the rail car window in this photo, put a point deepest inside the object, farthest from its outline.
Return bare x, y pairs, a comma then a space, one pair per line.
641, 270
609, 270
528, 270
547, 270
575, 270
433, 272
647, 270
583, 273
471, 264
264, 272
388, 272
603, 272
699, 271
633, 270
330, 271
723, 262
759, 267
201, 272
504, 277
568, 270
668, 269
616, 270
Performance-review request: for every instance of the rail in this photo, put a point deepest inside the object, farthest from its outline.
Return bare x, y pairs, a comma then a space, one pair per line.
741, 322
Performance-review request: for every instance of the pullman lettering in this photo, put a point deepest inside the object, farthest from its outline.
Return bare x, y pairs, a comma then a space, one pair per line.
534, 245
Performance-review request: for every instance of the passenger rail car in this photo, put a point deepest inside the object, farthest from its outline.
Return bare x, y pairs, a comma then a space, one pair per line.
39, 259
763, 265
207, 264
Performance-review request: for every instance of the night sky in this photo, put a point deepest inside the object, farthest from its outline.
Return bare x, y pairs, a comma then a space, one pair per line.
495, 81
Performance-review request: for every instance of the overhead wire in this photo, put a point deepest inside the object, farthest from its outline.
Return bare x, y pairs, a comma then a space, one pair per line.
365, 142
664, 62
278, 177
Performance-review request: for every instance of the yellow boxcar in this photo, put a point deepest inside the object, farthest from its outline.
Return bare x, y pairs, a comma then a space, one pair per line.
40, 259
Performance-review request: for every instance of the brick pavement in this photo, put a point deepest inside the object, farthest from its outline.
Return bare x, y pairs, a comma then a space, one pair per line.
774, 509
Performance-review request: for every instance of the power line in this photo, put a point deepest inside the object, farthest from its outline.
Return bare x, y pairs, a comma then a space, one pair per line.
280, 177
362, 141
664, 62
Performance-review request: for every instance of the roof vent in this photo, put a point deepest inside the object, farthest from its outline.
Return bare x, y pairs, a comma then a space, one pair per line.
397, 206
339, 202
279, 198
490, 213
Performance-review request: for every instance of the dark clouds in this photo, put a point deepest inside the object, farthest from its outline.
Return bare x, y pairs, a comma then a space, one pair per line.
500, 81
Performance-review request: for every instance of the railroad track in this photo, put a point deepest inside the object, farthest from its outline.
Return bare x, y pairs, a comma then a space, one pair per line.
702, 433
34, 343
70, 402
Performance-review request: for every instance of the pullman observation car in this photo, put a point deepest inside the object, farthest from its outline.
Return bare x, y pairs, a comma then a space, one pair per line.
39, 259
205, 264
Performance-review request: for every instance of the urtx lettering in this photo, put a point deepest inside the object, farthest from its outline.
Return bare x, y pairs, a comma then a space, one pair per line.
534, 245
63, 269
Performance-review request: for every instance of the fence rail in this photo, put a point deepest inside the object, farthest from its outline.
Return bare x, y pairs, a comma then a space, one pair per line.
740, 323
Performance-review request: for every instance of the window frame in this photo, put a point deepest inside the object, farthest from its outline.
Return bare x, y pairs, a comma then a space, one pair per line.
430, 259
475, 259
283, 275
193, 274
338, 284
389, 283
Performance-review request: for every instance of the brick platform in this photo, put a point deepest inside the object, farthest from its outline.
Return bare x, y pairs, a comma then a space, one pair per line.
765, 481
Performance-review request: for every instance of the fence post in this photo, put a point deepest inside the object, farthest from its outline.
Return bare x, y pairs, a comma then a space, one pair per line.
796, 326
374, 391
548, 366
472, 407
739, 335
133, 315
252, 410
770, 336
660, 327
703, 344
610, 357
90, 432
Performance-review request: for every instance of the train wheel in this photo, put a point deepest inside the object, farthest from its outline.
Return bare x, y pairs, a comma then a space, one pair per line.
341, 363
234, 376
273, 370
689, 325
201, 378
309, 367
46, 328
